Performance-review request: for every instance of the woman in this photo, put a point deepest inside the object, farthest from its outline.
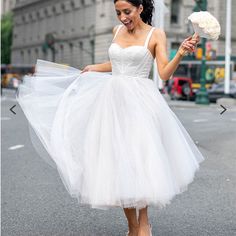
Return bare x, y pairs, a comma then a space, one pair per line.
106, 133
136, 16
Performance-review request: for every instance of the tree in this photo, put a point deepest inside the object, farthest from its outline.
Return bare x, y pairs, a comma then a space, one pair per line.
6, 37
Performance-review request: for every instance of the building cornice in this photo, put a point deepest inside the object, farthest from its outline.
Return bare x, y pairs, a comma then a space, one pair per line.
26, 3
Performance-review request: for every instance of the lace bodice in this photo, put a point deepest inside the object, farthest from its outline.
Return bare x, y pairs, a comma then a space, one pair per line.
135, 60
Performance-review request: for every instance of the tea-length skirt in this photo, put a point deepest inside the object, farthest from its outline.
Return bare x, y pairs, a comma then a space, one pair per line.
114, 140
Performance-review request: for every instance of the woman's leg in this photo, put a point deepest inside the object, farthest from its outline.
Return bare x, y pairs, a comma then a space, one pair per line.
144, 227
143, 216
131, 216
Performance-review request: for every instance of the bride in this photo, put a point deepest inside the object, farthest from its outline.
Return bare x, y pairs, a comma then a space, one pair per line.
136, 16
112, 137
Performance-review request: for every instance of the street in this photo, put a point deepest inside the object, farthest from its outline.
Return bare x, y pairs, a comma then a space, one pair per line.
35, 202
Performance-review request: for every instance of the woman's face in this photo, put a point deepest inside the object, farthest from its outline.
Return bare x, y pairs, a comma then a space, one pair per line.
128, 14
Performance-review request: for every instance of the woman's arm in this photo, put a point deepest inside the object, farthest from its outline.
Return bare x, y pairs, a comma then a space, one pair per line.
165, 68
102, 67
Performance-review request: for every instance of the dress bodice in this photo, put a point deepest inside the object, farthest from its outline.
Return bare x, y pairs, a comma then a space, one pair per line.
135, 60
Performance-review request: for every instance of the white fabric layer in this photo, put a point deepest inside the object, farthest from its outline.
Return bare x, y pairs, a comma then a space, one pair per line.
112, 137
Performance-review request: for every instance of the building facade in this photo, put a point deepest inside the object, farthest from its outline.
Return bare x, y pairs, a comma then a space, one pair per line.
6, 6
82, 29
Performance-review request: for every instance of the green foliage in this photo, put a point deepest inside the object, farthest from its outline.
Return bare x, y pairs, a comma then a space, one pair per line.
6, 37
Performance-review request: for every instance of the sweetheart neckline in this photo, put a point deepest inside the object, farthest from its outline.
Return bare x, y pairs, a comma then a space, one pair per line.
142, 46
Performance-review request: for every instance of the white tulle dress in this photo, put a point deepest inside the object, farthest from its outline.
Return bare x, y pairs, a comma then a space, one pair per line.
112, 137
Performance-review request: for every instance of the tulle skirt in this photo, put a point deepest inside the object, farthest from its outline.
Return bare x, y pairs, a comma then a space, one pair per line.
113, 139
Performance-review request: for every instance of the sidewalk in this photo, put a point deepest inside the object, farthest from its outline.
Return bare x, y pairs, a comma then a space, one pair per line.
192, 104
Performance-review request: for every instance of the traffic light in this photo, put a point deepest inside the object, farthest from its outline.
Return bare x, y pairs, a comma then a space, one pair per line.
201, 5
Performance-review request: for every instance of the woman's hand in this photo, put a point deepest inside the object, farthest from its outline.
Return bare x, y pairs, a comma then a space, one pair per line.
89, 68
189, 45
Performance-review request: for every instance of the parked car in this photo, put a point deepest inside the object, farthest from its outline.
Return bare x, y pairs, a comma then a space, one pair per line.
217, 91
180, 88
11, 81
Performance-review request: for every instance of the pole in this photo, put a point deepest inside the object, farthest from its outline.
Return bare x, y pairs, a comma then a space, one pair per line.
202, 95
160, 11
227, 47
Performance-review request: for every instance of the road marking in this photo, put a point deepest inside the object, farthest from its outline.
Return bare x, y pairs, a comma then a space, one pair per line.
16, 147
200, 120
5, 118
233, 119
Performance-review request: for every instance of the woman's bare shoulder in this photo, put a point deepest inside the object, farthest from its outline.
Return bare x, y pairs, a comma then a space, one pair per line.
159, 35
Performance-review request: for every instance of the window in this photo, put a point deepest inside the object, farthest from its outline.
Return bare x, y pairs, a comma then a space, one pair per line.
71, 47
38, 15
46, 12
54, 10
175, 11
63, 7
22, 56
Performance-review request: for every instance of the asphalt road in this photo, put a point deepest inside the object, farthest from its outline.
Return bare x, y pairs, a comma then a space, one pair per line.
35, 202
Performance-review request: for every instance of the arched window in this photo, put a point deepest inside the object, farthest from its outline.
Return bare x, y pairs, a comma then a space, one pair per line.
22, 56
36, 53
38, 15
46, 12
71, 47
54, 11
175, 11
63, 7
23, 19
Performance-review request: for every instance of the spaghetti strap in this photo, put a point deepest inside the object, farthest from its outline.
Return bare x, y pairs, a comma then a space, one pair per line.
119, 27
148, 37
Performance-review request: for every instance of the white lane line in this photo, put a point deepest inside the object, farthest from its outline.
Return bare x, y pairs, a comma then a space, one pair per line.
16, 147
200, 120
5, 118
233, 119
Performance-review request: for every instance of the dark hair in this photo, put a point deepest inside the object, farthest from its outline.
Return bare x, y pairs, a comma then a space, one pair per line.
148, 7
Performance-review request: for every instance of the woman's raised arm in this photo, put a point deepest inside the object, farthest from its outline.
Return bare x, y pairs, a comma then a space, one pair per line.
167, 68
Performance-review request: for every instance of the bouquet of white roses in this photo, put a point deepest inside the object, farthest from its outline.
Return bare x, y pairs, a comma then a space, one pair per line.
205, 25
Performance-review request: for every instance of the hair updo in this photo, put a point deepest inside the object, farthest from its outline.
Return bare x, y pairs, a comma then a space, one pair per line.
148, 7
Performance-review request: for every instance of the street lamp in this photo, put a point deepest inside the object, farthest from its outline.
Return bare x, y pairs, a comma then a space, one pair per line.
49, 43
202, 95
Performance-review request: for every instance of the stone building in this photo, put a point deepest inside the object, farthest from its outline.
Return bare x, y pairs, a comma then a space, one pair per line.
82, 29
6, 6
